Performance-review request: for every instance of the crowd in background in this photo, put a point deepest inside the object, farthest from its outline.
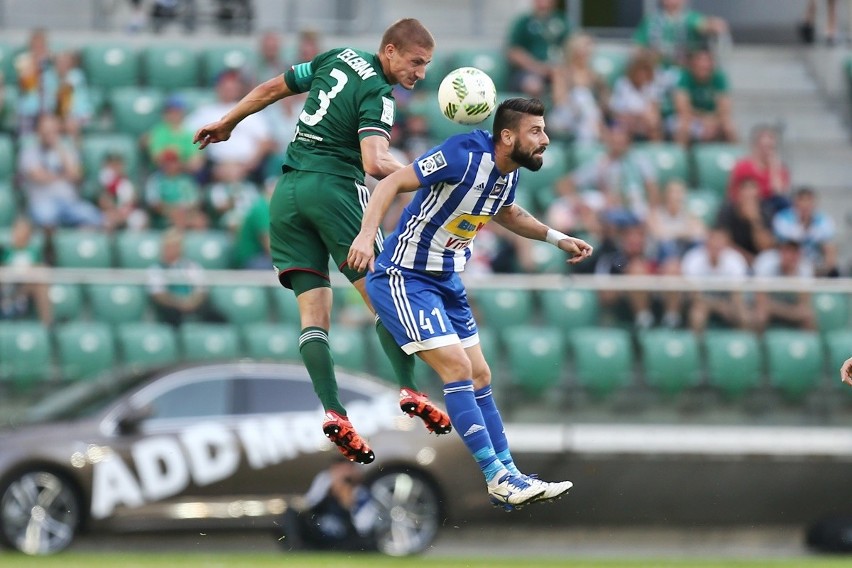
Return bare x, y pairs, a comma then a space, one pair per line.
673, 90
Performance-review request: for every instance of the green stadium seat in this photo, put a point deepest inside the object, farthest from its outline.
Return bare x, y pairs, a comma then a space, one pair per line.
96, 145
603, 358
547, 259
609, 63
264, 340
8, 204
704, 204
66, 301
8, 165
734, 361
219, 58
535, 357
169, 66
110, 65
82, 249
84, 349
498, 308
147, 343
207, 341
713, 165
670, 359
211, 249
241, 304
286, 307
838, 343
138, 249
832, 311
571, 308
135, 110
794, 361
669, 160
348, 347
194, 97
25, 352
492, 61
8, 51
117, 303
585, 153
556, 165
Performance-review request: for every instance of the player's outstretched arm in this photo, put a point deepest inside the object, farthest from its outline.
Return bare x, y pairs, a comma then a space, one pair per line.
361, 255
846, 371
256, 100
516, 219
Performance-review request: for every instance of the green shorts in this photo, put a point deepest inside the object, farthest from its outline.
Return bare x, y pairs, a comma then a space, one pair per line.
313, 216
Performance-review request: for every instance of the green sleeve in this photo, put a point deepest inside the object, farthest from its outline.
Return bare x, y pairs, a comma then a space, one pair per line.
640, 36
376, 114
298, 77
720, 81
517, 37
695, 21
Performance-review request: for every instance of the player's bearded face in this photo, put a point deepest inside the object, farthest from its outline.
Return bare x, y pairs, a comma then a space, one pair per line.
528, 150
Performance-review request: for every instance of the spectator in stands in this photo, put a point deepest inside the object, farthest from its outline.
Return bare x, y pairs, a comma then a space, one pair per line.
230, 196
535, 45
32, 68
69, 94
578, 93
802, 222
747, 220
765, 166
785, 308
271, 57
164, 12
673, 227
250, 141
630, 256
251, 240
637, 98
716, 260
22, 254
673, 31
170, 132
176, 285
702, 103
117, 196
50, 173
282, 118
172, 196
308, 45
617, 187
807, 28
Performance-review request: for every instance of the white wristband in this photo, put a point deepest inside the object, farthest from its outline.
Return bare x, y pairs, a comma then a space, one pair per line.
553, 237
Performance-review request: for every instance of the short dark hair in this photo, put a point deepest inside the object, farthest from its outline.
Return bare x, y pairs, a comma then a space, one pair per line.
804, 191
407, 32
509, 113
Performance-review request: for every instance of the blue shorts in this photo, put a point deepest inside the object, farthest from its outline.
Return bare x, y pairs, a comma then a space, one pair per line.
421, 310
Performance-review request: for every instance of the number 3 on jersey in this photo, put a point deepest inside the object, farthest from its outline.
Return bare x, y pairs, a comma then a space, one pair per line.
325, 98
426, 321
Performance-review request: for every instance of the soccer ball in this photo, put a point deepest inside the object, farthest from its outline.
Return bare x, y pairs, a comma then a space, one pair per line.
467, 95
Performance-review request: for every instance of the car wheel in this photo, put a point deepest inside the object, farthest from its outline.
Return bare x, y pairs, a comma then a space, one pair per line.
39, 512
409, 512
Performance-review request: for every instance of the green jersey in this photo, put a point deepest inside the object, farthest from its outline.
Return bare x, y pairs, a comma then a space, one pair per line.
702, 95
247, 241
541, 38
672, 36
349, 99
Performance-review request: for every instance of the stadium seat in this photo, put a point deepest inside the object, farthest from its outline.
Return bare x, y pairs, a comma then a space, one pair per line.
169, 67
241, 304
147, 343
138, 249
82, 249
264, 340
84, 349
348, 347
603, 358
117, 303
556, 164
713, 165
492, 61
110, 65
704, 204
610, 63
135, 110
66, 300
669, 160
195, 97
96, 145
206, 341
547, 259
832, 311
670, 359
571, 308
584, 153
498, 308
211, 249
8, 165
7, 61
286, 307
218, 58
8, 203
794, 361
25, 352
734, 361
535, 357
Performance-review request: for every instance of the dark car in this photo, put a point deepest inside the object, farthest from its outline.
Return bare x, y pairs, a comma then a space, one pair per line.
219, 445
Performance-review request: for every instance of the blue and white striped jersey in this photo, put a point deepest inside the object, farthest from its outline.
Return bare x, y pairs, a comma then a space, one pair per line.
461, 190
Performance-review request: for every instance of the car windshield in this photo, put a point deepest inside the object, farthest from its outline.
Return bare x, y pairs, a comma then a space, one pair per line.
83, 399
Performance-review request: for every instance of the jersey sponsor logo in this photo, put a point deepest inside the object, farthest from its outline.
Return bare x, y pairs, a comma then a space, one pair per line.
358, 64
387, 111
433, 163
498, 188
466, 226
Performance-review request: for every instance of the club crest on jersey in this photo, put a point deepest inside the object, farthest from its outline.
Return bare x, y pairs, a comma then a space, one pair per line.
498, 188
387, 111
431, 164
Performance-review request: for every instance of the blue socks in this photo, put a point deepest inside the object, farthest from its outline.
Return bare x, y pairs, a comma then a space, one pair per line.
494, 424
467, 419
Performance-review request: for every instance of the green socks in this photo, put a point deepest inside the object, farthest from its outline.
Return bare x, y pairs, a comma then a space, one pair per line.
313, 346
403, 364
